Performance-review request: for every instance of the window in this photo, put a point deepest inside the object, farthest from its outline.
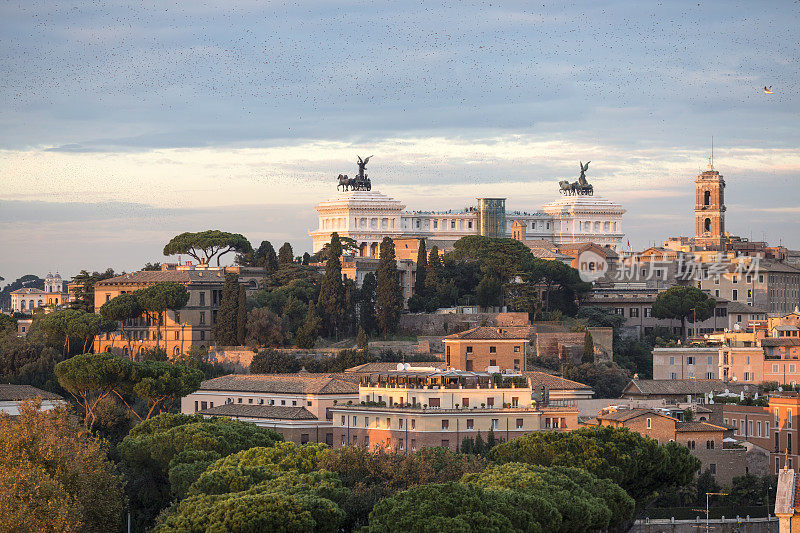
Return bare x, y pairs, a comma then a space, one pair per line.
445, 425
514, 401
303, 438
710, 375
758, 429
712, 467
490, 402
202, 335
690, 445
619, 311
495, 424
710, 360
469, 365
177, 317
283, 402
492, 349
689, 360
413, 424
452, 224
465, 402
202, 298
634, 312
516, 364
519, 423
789, 443
516, 349
673, 375
750, 428
789, 411
366, 421
470, 423
343, 420
400, 423
469, 349
492, 362
766, 429
649, 423
735, 295
202, 317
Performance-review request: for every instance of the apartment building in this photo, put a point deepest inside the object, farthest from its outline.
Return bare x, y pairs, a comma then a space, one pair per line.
415, 407
768, 285
190, 326
704, 440
295, 405
487, 347
686, 362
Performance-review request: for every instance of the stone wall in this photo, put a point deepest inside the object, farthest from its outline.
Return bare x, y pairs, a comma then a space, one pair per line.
433, 324
547, 342
728, 525
603, 339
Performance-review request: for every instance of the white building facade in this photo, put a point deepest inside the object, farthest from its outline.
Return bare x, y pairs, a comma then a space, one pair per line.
27, 299
369, 216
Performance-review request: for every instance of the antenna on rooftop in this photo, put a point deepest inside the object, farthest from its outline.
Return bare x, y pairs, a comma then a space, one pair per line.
712, 152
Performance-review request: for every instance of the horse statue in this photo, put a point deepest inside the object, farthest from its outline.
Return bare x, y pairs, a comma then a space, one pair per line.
344, 182
564, 187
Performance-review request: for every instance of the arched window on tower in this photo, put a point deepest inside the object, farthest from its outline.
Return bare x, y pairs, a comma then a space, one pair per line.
707, 198
707, 225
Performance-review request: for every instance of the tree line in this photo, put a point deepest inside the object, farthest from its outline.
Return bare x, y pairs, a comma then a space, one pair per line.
178, 472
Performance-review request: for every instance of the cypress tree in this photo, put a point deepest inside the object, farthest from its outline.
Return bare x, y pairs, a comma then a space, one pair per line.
285, 254
388, 296
241, 316
331, 293
366, 310
361, 339
422, 267
306, 258
265, 257
307, 333
432, 272
225, 328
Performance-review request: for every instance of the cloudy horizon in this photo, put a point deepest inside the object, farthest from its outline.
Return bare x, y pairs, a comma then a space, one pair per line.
125, 125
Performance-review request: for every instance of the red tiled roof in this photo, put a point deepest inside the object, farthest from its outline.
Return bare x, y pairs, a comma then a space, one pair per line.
15, 393
489, 333
299, 383
272, 412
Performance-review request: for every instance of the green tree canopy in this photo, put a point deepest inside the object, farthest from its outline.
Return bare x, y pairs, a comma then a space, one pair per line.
636, 463
205, 245
388, 294
281, 482
160, 297
84, 289
422, 270
163, 456
682, 303
462, 507
225, 330
285, 254
92, 377
584, 501
366, 312
264, 328
121, 308
271, 361
331, 302
54, 476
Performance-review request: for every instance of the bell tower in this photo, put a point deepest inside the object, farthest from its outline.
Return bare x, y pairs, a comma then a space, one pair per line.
709, 209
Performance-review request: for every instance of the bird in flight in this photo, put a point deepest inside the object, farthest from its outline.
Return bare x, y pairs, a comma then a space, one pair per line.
768, 90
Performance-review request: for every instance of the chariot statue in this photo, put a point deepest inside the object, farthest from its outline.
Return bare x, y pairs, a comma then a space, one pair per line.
580, 187
361, 182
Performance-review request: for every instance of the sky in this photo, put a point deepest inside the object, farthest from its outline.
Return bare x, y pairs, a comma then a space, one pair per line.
123, 124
